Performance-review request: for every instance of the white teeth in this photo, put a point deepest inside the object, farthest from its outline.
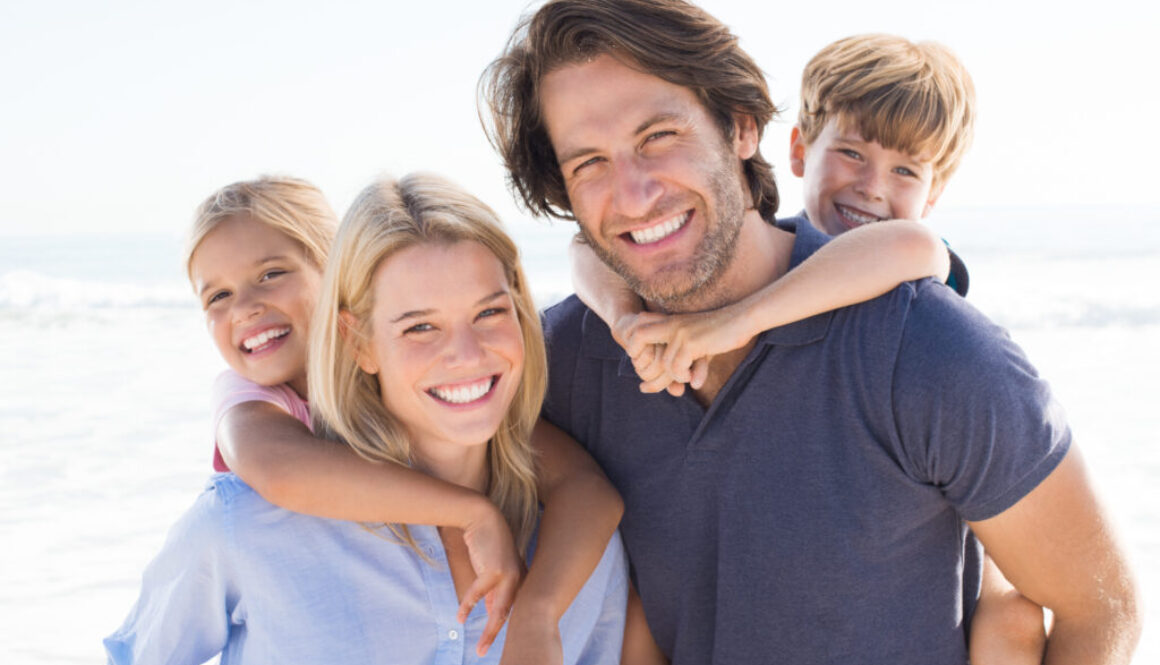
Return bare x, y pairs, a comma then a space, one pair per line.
857, 217
659, 231
463, 394
262, 338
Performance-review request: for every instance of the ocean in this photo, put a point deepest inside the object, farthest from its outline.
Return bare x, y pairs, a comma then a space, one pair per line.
104, 413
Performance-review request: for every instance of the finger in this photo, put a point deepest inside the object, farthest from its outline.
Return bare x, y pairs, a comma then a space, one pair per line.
499, 606
700, 373
478, 589
646, 334
677, 361
676, 389
643, 358
655, 369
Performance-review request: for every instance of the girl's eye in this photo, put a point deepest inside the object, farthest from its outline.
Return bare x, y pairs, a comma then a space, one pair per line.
219, 295
271, 274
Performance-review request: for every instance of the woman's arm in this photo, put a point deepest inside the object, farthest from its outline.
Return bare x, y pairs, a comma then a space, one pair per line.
639, 646
288, 466
581, 512
856, 266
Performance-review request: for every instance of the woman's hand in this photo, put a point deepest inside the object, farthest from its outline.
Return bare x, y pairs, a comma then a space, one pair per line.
533, 638
498, 570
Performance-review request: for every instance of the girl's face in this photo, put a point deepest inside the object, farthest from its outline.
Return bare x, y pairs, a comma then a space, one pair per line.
258, 291
446, 346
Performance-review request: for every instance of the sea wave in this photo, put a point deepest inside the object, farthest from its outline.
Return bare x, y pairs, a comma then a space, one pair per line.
29, 290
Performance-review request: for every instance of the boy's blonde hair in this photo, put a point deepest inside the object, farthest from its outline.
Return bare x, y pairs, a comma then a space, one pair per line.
292, 206
389, 216
914, 98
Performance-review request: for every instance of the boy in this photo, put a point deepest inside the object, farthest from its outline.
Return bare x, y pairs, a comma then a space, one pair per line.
883, 125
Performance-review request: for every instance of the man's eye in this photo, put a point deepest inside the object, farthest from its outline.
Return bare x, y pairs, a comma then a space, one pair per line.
585, 163
661, 134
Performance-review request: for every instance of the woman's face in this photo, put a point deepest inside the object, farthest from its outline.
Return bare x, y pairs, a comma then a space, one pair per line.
446, 346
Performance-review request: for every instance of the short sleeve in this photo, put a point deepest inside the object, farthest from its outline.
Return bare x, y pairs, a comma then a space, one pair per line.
187, 594
231, 389
973, 415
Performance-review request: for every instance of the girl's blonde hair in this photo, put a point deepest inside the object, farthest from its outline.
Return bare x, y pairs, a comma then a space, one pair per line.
389, 216
292, 206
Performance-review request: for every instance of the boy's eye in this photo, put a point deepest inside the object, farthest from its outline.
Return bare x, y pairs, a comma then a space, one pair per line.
902, 170
852, 154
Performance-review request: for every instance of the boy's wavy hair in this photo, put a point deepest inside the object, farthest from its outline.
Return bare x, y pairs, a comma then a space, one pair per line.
346, 404
916, 98
670, 39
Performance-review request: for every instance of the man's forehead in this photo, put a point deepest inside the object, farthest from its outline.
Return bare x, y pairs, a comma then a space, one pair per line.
603, 95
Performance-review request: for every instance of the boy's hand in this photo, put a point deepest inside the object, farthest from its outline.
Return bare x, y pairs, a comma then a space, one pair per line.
498, 570
533, 638
689, 341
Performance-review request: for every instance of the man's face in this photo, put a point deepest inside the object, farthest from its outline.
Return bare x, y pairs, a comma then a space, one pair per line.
657, 189
849, 181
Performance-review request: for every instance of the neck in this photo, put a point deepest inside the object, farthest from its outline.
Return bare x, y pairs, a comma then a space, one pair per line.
454, 463
761, 256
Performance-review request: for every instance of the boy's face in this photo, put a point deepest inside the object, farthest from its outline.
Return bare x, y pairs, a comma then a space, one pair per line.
849, 181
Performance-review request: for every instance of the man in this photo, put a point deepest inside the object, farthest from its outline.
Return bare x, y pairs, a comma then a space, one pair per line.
810, 502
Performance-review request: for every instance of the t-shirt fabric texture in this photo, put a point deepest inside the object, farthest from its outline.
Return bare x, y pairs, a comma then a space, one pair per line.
231, 389
814, 512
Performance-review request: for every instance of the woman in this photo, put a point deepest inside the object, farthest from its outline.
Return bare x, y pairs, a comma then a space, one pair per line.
426, 351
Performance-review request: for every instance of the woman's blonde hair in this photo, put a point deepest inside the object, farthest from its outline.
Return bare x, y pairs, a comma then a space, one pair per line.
292, 206
389, 216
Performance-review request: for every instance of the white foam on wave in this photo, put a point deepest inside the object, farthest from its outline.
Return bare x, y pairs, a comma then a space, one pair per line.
29, 290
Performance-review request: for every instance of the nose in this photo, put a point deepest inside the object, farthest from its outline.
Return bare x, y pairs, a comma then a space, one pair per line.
247, 305
636, 190
870, 183
464, 347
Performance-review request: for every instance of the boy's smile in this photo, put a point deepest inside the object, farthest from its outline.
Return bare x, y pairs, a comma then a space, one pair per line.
849, 181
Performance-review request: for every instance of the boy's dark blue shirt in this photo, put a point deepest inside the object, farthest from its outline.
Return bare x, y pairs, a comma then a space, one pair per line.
814, 512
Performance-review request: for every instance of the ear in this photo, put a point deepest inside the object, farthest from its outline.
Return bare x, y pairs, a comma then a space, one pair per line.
348, 327
745, 138
797, 152
932, 198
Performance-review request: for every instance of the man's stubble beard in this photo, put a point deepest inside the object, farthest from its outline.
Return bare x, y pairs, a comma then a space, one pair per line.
711, 258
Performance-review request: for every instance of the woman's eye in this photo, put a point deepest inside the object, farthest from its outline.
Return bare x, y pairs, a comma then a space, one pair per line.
419, 328
491, 311
219, 295
271, 274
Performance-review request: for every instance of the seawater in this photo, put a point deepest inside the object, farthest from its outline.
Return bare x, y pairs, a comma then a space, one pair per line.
106, 367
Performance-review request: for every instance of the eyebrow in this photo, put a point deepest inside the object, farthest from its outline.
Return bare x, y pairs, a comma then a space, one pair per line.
417, 313
663, 116
269, 259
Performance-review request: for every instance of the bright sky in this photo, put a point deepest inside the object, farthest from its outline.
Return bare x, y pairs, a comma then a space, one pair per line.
121, 116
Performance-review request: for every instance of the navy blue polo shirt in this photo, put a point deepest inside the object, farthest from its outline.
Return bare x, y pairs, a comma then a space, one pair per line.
814, 512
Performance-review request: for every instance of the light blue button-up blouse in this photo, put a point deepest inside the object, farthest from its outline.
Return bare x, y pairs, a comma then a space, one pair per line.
242, 577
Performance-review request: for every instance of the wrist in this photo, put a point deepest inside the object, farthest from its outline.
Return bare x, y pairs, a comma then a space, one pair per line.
479, 512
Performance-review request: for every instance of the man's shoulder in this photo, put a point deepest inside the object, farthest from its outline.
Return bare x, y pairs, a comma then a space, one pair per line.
566, 315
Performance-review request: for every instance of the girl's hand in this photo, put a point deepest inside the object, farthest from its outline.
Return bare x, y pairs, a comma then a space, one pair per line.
498, 570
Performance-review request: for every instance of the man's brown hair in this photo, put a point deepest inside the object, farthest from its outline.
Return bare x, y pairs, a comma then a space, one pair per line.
914, 98
670, 39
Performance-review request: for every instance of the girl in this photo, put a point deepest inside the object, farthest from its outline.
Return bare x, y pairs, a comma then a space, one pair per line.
255, 257
428, 355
